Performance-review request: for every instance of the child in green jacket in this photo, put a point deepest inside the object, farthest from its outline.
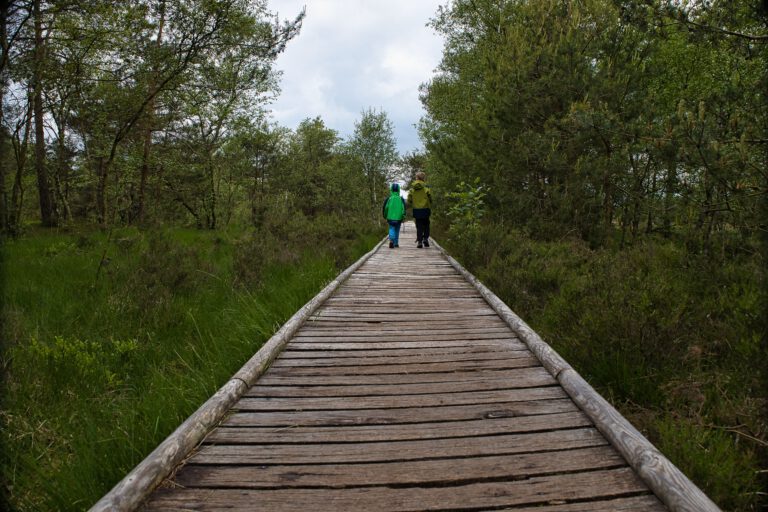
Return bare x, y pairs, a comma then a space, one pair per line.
394, 211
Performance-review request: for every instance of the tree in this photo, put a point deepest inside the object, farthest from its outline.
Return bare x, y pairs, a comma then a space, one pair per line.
373, 145
309, 163
585, 116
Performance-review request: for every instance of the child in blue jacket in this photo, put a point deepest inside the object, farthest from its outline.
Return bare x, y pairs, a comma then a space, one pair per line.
394, 211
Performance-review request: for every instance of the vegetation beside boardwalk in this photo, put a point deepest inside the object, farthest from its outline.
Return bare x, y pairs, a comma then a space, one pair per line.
108, 363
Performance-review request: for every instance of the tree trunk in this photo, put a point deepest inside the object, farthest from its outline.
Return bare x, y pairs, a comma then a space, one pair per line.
101, 190
652, 195
670, 184
212, 215
3, 194
148, 126
17, 196
62, 172
47, 207
4, 206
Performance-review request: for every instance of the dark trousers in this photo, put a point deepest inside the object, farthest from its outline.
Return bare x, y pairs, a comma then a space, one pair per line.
422, 229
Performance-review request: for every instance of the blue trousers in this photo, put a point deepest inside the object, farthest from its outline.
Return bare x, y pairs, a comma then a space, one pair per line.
394, 231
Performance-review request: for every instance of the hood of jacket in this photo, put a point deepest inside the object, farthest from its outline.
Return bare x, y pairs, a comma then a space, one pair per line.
418, 185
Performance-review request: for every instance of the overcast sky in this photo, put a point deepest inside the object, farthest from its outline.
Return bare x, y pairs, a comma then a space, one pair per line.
352, 55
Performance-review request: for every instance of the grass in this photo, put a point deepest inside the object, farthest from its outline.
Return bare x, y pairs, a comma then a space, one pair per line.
672, 338
101, 365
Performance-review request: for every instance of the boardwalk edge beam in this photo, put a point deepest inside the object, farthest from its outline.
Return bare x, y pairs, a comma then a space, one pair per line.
669, 484
131, 491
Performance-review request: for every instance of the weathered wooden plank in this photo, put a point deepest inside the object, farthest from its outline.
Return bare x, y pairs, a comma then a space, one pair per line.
337, 453
315, 389
392, 345
291, 353
441, 292
420, 472
410, 431
488, 325
474, 376
400, 416
509, 343
419, 332
423, 358
388, 317
379, 289
476, 300
339, 326
434, 399
643, 503
520, 362
536, 490
370, 334
424, 335
387, 312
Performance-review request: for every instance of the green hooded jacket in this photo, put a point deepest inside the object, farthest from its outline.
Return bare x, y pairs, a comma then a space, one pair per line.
394, 206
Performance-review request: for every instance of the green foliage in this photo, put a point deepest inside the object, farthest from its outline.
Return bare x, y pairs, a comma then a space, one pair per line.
143, 99
99, 370
587, 116
466, 210
70, 365
714, 457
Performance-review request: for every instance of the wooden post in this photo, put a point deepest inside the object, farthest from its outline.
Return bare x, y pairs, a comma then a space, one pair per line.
669, 484
132, 490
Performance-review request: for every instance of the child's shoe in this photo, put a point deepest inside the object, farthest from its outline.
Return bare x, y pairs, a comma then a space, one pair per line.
391, 244
426, 243
419, 246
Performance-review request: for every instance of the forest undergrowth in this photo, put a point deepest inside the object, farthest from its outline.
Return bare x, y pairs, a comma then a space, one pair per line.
673, 338
114, 338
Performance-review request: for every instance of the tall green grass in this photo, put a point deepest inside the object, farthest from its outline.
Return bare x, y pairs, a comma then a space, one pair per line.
112, 340
671, 337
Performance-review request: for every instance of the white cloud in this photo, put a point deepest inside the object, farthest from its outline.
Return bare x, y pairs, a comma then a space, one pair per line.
357, 54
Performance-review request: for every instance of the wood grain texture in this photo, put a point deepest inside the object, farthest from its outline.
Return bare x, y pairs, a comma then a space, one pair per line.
337, 453
433, 399
449, 383
525, 360
418, 472
469, 377
398, 432
472, 496
400, 416
292, 352
384, 359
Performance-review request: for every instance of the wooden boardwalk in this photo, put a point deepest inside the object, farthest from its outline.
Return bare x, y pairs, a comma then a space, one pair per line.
406, 391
